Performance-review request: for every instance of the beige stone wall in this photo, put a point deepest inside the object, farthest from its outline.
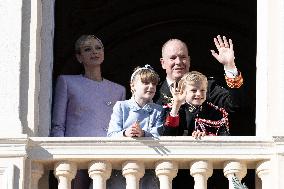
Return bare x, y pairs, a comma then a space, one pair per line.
26, 59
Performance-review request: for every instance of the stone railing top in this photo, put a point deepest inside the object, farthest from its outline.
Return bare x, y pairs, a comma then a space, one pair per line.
181, 149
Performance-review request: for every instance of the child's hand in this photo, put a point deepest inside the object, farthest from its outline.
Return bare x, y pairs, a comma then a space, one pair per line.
134, 130
198, 134
179, 95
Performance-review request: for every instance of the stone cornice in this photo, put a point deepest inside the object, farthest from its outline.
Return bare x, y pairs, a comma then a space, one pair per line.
117, 150
13, 147
181, 149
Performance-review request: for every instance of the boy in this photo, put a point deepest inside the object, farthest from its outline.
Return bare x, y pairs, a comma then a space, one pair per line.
199, 117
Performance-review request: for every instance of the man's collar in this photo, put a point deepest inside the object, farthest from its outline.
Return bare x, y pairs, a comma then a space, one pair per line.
169, 81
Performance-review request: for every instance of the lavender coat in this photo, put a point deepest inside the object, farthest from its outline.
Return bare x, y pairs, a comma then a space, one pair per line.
82, 107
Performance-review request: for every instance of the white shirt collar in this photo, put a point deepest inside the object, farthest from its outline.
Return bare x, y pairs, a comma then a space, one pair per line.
170, 82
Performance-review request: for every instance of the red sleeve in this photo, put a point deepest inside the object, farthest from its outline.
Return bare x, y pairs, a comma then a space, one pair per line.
172, 121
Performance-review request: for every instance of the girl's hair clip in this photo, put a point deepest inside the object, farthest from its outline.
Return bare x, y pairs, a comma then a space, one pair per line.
147, 66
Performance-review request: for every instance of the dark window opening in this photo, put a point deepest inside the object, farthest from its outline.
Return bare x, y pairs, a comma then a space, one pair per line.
133, 34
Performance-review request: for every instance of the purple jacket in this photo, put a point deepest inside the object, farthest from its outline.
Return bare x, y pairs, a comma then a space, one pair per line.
82, 107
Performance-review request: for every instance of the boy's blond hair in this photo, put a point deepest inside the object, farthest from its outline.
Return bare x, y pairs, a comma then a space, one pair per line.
193, 77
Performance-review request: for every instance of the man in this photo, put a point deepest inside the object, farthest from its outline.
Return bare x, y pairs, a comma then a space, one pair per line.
176, 62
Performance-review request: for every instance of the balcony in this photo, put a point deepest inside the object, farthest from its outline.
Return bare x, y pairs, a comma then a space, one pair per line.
165, 154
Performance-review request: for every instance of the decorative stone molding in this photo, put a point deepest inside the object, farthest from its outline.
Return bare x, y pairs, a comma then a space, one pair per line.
37, 172
7, 175
234, 168
99, 171
65, 171
133, 171
104, 147
166, 171
46, 66
14, 147
278, 138
201, 171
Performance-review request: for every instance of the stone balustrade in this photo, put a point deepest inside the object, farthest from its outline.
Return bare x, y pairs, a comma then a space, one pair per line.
166, 155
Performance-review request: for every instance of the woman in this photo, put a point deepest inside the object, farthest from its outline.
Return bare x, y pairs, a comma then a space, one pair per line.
83, 103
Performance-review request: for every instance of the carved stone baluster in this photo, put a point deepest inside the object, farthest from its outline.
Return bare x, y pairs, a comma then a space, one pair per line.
236, 168
201, 171
263, 172
166, 171
37, 172
133, 171
99, 171
65, 171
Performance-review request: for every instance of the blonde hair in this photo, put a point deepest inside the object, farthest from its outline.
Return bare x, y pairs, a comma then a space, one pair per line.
82, 39
193, 77
146, 74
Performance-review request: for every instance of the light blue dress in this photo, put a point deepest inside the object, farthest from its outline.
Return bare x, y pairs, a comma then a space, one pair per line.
125, 113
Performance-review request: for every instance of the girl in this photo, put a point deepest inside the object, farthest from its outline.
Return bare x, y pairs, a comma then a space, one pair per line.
138, 116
